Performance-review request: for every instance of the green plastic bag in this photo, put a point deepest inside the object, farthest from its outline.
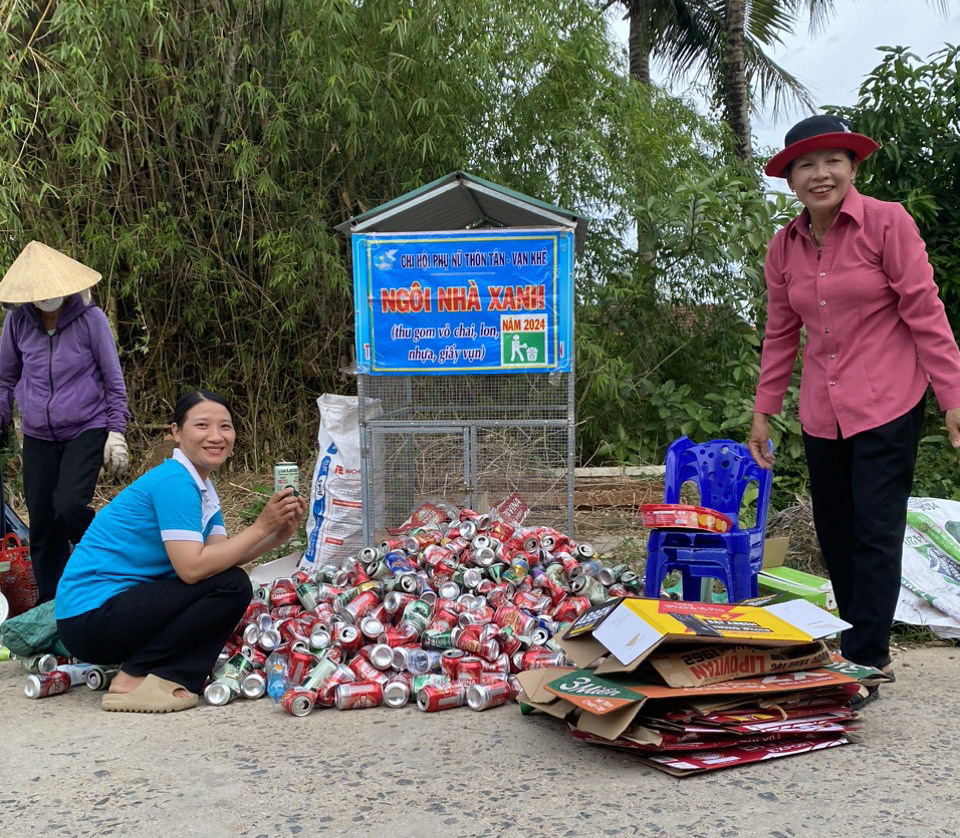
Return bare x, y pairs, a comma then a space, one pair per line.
33, 633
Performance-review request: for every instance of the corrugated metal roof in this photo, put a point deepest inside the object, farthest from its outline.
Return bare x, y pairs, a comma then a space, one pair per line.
460, 201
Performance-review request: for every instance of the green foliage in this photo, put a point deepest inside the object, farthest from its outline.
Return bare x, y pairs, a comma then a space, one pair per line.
912, 107
250, 512
199, 154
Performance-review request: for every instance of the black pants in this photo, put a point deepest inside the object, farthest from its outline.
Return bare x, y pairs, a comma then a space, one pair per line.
58, 483
168, 628
859, 487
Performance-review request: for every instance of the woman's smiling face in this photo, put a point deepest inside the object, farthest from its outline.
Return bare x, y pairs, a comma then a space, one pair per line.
206, 436
821, 179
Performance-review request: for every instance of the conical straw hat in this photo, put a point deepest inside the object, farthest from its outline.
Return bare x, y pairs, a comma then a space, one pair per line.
41, 273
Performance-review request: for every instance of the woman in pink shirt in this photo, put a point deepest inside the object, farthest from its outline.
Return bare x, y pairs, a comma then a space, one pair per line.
853, 272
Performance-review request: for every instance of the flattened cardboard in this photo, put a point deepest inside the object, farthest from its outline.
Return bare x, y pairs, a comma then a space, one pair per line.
609, 707
596, 695
630, 628
532, 681
712, 664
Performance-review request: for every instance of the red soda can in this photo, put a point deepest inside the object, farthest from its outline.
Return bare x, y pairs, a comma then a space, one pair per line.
346, 636
502, 530
299, 663
551, 588
290, 630
396, 692
434, 555
489, 650
485, 696
469, 617
432, 699
356, 571
427, 537
396, 601
283, 612
401, 635
324, 612
444, 619
366, 671
508, 640
539, 658
507, 615
327, 592
358, 695
570, 608
394, 543
470, 670
284, 593
298, 702
327, 691
450, 662
499, 594
361, 605
617, 589
253, 612
301, 576
43, 685
499, 665
485, 587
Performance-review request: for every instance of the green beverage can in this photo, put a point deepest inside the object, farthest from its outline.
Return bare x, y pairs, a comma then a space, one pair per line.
307, 594
431, 679
419, 613
284, 475
437, 640
320, 673
233, 669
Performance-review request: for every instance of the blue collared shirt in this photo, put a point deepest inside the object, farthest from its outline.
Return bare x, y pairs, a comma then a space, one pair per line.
125, 544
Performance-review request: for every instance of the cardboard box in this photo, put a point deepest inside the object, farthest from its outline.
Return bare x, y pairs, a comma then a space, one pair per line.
625, 631
712, 664
609, 706
775, 577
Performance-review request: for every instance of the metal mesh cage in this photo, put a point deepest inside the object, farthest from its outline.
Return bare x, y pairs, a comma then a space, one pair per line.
469, 440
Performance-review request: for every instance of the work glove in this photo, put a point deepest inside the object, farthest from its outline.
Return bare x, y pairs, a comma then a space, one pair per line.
115, 455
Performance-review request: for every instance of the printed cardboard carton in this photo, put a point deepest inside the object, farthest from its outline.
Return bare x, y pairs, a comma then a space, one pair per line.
629, 629
610, 705
712, 664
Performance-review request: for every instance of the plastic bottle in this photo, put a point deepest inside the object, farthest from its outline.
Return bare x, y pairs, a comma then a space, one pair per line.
277, 675
422, 661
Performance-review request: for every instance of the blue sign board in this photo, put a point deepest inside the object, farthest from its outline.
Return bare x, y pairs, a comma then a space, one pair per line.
466, 301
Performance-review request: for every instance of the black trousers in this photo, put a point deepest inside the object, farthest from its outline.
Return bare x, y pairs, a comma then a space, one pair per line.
168, 628
58, 483
859, 488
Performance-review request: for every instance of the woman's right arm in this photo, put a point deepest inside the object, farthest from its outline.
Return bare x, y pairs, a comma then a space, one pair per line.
194, 561
11, 368
780, 344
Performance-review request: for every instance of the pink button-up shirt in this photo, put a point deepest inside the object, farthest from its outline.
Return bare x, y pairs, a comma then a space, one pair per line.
876, 329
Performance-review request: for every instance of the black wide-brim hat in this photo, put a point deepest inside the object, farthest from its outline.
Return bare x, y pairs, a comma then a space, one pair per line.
814, 134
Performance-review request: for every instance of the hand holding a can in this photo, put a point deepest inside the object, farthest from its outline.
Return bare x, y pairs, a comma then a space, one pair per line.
282, 514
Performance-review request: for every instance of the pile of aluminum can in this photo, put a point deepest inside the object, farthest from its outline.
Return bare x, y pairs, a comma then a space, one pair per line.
444, 614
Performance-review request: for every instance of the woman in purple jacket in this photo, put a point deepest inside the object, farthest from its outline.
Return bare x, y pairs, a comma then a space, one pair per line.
58, 359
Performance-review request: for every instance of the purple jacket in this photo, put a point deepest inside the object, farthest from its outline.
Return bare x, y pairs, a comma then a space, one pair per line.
65, 383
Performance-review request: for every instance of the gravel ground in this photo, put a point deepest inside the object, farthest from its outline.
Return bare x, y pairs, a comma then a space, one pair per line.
249, 770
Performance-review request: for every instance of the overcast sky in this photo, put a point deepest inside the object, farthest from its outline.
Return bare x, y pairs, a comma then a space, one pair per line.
833, 63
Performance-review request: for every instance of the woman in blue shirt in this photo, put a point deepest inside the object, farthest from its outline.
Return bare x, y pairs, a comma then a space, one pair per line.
154, 582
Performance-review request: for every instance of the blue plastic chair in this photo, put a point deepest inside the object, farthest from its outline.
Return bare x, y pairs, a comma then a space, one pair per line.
722, 470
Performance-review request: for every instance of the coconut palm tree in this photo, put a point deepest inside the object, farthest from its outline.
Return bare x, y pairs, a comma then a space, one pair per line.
725, 40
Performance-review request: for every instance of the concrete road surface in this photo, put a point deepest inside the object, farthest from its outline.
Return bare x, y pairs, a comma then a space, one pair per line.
249, 770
